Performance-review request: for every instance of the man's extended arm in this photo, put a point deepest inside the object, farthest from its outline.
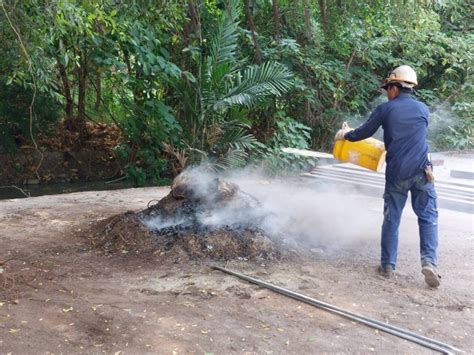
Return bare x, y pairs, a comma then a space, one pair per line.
368, 128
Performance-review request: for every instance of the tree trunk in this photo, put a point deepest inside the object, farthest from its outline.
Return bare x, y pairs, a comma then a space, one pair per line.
276, 19
98, 81
250, 23
324, 16
80, 124
98, 90
307, 20
69, 109
193, 25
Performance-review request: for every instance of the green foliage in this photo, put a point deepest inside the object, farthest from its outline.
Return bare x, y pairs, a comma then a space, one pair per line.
459, 137
212, 107
340, 67
454, 126
288, 134
77, 46
232, 147
138, 71
256, 84
185, 74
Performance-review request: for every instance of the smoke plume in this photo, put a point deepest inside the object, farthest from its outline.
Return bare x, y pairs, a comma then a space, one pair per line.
441, 118
293, 210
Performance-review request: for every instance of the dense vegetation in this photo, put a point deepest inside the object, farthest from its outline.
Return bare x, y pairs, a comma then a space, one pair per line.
226, 81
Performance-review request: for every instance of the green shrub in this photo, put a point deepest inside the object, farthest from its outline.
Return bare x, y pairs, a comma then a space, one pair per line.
289, 133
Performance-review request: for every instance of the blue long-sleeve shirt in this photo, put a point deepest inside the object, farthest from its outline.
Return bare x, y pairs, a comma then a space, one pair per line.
405, 123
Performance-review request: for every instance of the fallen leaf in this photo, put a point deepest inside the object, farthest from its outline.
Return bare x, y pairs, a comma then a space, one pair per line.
65, 310
13, 330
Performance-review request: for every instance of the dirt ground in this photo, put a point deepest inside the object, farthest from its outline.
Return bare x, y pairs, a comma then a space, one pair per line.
64, 158
59, 296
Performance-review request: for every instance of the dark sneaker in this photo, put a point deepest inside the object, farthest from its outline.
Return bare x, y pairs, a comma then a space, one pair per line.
386, 271
432, 277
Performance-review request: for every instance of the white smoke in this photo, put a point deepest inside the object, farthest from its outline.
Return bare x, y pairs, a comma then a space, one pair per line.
293, 210
315, 214
159, 222
355, 121
441, 118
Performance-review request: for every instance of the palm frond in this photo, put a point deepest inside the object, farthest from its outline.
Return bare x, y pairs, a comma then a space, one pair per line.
232, 159
224, 41
239, 139
232, 135
233, 145
256, 84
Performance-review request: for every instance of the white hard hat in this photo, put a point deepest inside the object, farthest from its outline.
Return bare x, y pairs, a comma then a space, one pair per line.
403, 75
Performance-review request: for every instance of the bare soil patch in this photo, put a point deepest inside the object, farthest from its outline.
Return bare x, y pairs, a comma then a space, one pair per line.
69, 298
64, 158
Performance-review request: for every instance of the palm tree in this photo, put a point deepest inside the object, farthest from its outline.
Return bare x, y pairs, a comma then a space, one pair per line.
212, 100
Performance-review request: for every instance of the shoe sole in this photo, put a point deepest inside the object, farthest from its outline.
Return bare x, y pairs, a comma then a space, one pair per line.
430, 277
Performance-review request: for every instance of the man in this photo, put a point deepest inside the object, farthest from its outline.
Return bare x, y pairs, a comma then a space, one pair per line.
404, 121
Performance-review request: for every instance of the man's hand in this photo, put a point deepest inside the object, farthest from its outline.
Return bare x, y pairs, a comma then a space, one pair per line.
340, 134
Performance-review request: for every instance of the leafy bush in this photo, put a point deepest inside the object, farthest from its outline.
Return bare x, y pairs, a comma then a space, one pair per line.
452, 124
288, 134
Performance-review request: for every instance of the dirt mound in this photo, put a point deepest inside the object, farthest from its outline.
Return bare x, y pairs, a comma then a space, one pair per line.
123, 234
126, 234
197, 220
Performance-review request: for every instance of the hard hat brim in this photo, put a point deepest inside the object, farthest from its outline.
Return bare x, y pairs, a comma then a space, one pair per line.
402, 84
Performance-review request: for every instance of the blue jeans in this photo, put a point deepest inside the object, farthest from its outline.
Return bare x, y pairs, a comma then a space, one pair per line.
423, 200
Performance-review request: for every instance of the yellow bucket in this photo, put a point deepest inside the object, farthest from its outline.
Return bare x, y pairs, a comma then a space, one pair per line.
368, 153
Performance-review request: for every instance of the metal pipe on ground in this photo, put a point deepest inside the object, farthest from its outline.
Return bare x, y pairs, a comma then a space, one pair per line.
399, 332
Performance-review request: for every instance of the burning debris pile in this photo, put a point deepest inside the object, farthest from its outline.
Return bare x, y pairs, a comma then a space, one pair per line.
201, 217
